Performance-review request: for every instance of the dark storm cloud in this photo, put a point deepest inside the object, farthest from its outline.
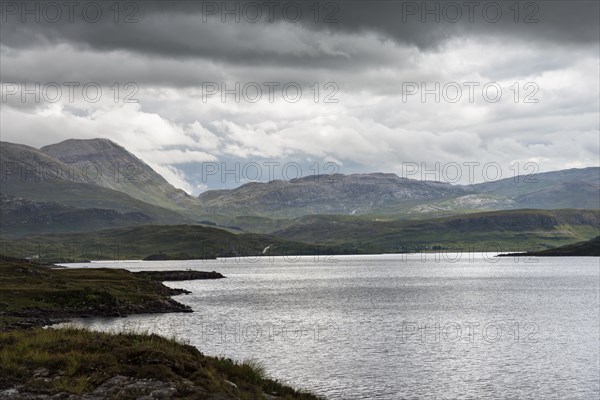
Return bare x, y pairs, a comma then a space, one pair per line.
194, 28
370, 48
415, 22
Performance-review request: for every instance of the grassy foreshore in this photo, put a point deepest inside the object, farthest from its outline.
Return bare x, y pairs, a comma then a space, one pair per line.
125, 366
41, 363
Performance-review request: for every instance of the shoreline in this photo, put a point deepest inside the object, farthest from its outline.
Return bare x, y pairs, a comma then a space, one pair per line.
81, 364
106, 295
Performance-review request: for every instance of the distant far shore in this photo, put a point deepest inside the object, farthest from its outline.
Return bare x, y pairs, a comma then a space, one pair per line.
590, 248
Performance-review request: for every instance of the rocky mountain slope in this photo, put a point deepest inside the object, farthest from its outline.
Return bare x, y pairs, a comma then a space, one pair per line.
569, 188
29, 174
105, 163
389, 194
336, 194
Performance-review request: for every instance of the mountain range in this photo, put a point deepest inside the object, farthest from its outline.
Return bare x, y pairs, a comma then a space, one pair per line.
389, 194
87, 185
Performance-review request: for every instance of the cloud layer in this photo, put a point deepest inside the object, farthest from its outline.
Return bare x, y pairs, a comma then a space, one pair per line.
382, 84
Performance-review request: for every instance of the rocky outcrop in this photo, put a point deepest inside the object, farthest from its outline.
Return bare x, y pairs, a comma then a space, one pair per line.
116, 387
124, 387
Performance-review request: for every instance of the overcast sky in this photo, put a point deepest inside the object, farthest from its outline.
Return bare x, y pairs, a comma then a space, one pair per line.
361, 68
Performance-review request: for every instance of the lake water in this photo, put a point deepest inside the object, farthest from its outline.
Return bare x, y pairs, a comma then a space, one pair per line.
396, 326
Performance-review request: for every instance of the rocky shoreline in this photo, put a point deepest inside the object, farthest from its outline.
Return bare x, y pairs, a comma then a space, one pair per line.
78, 364
30, 318
179, 275
87, 301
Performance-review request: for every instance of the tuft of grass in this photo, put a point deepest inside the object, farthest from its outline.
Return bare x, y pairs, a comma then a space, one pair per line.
75, 386
254, 369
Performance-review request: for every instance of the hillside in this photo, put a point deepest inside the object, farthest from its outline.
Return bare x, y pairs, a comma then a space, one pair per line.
498, 231
590, 248
570, 188
26, 217
121, 171
139, 242
60, 190
507, 229
336, 194
390, 195
35, 177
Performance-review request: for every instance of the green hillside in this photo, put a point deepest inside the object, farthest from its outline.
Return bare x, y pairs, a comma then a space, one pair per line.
26, 217
503, 231
85, 195
589, 248
507, 230
171, 241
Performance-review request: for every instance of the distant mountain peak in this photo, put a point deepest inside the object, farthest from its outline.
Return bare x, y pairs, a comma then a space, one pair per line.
76, 150
93, 140
104, 163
